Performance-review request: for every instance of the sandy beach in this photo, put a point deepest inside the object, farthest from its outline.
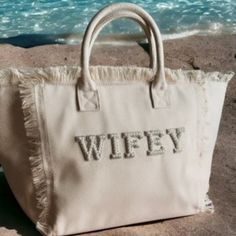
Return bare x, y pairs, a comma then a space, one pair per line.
208, 53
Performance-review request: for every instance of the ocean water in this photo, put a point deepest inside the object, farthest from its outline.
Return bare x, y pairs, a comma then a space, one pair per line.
58, 19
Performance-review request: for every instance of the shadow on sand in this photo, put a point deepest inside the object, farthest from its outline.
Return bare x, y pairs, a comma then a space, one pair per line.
31, 40
11, 215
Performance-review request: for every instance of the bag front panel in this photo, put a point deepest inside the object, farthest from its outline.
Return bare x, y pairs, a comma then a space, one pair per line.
93, 192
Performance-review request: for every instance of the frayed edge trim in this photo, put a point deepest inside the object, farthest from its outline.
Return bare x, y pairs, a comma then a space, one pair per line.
208, 206
10, 76
44, 230
107, 74
198, 76
35, 158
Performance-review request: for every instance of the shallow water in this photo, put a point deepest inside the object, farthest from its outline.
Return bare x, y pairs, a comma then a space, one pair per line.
176, 18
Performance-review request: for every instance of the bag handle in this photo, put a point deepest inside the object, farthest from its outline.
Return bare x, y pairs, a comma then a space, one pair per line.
112, 10
124, 14
87, 91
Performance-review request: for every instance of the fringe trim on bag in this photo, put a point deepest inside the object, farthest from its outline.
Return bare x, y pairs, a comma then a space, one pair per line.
203, 123
107, 74
35, 152
10, 76
198, 76
203, 116
112, 73
208, 206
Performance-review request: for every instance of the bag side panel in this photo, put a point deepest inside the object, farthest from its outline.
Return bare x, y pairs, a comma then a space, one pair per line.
215, 94
13, 150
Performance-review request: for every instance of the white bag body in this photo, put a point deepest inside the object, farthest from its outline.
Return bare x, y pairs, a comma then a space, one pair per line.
118, 146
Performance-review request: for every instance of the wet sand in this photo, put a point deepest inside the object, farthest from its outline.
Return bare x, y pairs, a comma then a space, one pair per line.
197, 52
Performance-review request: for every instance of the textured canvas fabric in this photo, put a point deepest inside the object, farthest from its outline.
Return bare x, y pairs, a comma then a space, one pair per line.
168, 185
100, 147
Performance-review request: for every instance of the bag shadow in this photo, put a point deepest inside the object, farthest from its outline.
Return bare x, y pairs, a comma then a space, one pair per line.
12, 217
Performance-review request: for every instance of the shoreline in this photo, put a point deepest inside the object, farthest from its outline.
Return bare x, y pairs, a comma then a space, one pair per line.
207, 53
34, 40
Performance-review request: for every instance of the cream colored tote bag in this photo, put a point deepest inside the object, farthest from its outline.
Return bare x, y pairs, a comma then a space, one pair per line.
106, 146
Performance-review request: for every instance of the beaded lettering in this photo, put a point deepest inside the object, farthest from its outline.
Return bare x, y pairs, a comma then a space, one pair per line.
92, 145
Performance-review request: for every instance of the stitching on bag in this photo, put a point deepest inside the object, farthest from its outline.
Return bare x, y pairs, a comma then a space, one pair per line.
203, 120
38, 102
88, 100
47, 148
199, 139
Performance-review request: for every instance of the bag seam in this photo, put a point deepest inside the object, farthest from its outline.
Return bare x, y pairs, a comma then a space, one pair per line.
38, 104
65, 74
48, 156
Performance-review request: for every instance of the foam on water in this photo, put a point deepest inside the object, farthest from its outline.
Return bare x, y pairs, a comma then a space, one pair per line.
176, 18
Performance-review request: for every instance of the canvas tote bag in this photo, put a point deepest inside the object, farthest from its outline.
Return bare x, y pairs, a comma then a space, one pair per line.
110, 146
